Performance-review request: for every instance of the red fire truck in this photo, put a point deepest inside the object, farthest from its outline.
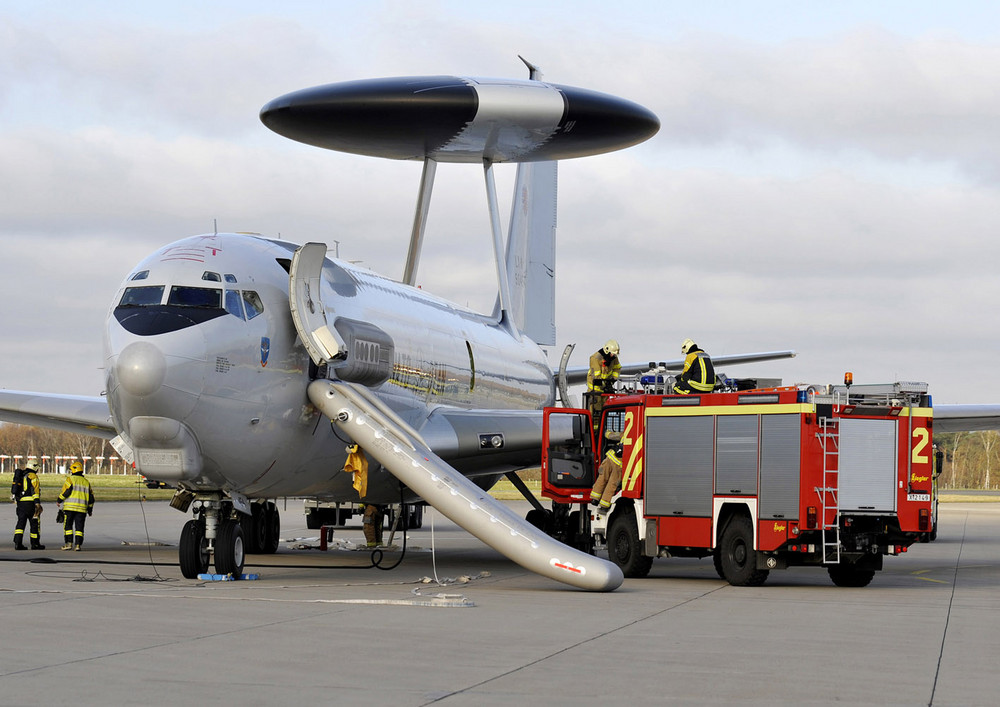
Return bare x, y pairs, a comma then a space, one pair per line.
835, 477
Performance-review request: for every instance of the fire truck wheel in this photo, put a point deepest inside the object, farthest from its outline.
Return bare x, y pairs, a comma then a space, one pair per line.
850, 576
624, 548
541, 519
737, 556
717, 561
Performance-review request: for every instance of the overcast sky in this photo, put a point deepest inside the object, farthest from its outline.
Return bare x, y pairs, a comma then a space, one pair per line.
826, 178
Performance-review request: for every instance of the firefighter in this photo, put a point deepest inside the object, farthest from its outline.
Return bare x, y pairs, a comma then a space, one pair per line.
609, 476
29, 507
372, 520
601, 376
698, 375
77, 502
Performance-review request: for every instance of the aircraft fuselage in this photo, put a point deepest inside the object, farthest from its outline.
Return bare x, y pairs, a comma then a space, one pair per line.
206, 377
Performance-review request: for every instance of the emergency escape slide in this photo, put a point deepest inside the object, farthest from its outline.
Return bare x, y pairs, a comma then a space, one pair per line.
400, 449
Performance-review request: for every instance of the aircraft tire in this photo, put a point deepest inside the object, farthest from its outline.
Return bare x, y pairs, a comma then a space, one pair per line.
250, 523
230, 551
193, 553
270, 520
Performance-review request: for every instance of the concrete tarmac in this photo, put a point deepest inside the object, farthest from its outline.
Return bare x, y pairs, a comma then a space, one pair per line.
118, 624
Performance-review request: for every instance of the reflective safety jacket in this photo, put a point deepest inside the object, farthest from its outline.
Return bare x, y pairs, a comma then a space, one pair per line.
29, 488
357, 464
698, 375
601, 370
76, 494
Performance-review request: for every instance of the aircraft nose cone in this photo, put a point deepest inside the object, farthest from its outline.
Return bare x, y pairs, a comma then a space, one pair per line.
141, 368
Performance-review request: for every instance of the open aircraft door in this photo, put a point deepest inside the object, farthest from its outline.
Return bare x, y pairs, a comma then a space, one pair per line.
568, 471
305, 298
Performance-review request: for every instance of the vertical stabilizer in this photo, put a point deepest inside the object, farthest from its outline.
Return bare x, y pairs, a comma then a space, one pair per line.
531, 251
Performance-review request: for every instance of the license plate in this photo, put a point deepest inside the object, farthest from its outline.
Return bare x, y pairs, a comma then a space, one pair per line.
918, 497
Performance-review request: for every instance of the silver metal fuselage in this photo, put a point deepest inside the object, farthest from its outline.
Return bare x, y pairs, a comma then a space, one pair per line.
236, 386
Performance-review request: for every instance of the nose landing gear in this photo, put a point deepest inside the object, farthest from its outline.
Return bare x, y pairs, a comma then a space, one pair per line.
219, 530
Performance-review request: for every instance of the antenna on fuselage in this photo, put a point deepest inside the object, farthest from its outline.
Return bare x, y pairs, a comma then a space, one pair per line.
215, 226
534, 73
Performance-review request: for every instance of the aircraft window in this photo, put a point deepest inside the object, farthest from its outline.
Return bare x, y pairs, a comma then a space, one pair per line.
253, 303
141, 296
234, 303
195, 297
141, 275
211, 276
230, 278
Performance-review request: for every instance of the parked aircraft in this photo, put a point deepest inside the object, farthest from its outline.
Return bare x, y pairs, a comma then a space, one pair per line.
239, 367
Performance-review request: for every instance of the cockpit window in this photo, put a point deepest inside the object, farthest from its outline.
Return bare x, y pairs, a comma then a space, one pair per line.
253, 303
181, 296
234, 303
230, 278
141, 275
211, 276
141, 296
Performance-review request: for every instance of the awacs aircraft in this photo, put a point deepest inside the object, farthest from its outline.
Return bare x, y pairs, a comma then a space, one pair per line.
228, 356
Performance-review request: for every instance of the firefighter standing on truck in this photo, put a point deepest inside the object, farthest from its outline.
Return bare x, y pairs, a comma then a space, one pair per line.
77, 501
29, 506
601, 376
698, 375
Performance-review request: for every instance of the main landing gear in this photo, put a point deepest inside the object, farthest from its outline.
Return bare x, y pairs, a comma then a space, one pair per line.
221, 531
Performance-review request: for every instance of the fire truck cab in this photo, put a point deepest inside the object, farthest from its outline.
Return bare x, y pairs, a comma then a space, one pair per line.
831, 476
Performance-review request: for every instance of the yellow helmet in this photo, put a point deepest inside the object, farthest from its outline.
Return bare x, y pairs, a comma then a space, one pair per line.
687, 346
75, 467
611, 347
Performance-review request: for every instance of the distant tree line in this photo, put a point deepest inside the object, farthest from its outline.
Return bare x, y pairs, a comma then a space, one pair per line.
46, 445
971, 461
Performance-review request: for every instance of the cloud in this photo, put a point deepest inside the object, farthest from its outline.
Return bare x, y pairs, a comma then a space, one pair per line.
836, 195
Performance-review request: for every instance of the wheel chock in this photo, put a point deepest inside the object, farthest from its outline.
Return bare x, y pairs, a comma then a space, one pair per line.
226, 577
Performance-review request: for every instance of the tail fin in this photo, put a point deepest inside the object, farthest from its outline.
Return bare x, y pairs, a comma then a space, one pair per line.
531, 251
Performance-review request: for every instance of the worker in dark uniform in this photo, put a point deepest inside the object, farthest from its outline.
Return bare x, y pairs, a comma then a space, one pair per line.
609, 476
601, 376
77, 501
29, 507
698, 375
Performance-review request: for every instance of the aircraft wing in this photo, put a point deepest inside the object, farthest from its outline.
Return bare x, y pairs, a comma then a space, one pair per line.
962, 418
71, 413
578, 374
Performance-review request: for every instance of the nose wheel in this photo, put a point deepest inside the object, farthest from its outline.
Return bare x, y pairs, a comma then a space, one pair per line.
230, 551
195, 555
214, 531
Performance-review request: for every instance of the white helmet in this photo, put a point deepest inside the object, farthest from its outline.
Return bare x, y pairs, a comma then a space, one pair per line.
32, 464
687, 346
611, 347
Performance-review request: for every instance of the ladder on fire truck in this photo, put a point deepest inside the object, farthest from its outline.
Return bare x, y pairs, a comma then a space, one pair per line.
829, 437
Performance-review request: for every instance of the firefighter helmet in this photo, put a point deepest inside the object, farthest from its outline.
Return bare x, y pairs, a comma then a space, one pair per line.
611, 347
687, 346
32, 464
75, 467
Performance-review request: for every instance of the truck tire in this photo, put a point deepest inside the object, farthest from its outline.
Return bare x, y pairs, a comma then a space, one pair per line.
737, 556
624, 548
850, 575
